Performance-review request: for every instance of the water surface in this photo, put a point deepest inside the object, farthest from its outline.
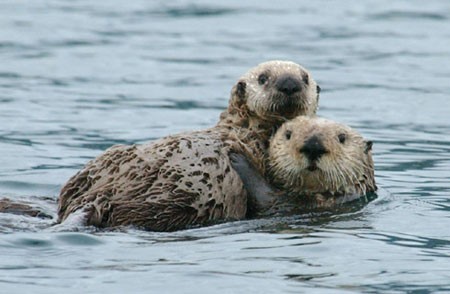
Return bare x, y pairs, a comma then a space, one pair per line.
79, 76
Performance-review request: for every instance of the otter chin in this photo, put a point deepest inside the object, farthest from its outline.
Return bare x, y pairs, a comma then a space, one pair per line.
310, 156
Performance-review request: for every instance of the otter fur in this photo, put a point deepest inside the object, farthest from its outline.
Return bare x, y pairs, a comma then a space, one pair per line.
187, 179
312, 163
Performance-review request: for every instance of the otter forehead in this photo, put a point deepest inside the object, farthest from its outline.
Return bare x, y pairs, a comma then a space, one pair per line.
275, 67
317, 122
315, 125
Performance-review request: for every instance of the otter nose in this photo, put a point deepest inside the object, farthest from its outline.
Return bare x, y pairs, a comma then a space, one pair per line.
313, 148
288, 84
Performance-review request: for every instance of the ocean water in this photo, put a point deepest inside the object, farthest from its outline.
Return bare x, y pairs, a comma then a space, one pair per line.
79, 76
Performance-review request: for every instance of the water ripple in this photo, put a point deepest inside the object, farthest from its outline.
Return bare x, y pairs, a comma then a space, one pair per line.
80, 76
408, 15
408, 240
189, 11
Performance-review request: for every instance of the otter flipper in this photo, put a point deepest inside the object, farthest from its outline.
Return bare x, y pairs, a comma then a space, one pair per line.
262, 194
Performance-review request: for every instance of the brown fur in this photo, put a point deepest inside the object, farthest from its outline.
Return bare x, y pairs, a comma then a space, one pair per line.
187, 179
255, 113
345, 172
22, 208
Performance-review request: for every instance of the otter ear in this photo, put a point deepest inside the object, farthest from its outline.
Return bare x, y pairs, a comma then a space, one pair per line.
368, 148
238, 98
318, 89
288, 134
239, 90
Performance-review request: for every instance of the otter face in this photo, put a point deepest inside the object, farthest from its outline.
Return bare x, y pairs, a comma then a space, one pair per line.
315, 155
278, 90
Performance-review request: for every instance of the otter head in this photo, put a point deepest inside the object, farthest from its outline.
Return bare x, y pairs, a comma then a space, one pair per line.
273, 92
315, 155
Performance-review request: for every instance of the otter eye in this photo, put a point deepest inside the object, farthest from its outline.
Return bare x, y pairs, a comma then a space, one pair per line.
262, 79
288, 135
342, 138
305, 79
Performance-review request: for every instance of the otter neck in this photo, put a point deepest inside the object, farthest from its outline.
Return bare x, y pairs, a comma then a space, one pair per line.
249, 128
252, 132
249, 123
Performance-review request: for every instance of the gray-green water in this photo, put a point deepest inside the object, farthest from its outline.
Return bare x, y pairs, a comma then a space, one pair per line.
79, 76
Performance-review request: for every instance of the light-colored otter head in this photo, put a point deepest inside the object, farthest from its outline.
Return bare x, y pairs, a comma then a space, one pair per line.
272, 92
315, 155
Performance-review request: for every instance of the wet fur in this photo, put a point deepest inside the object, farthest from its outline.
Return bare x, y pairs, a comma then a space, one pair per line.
187, 179
163, 186
345, 172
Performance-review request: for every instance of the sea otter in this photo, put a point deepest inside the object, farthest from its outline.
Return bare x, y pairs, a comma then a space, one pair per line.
187, 179
312, 163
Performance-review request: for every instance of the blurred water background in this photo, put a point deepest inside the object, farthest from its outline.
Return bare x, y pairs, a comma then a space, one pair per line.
79, 76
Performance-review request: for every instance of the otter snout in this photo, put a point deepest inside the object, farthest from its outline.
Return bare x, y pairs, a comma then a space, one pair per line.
313, 148
288, 84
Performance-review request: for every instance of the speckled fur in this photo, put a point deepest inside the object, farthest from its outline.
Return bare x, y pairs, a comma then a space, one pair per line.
187, 179
257, 114
163, 186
